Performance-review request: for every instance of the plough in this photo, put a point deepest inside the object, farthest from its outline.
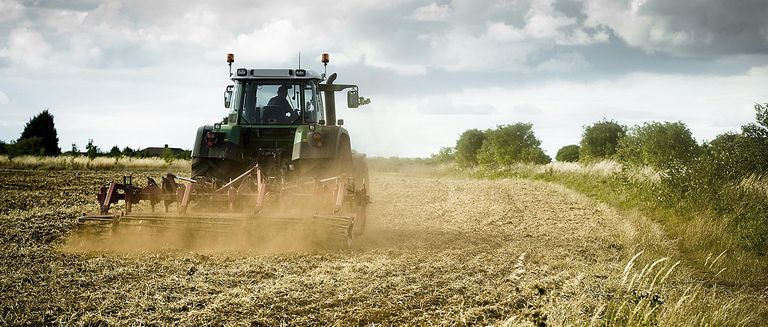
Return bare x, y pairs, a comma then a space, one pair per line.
251, 199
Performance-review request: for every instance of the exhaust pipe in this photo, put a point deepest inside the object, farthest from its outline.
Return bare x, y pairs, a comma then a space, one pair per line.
330, 103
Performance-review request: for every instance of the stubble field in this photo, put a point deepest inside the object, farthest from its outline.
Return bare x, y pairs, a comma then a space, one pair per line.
438, 250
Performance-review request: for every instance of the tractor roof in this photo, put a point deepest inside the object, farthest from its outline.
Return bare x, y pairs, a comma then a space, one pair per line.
243, 73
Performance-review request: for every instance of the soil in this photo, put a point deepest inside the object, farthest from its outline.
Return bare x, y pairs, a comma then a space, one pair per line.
437, 250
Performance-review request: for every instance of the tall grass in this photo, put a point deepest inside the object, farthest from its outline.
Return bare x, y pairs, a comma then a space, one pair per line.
738, 226
647, 296
85, 163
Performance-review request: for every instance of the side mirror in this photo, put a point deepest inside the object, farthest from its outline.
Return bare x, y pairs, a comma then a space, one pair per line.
228, 96
353, 100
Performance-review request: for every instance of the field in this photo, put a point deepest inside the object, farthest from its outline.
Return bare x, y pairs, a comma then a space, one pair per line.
439, 250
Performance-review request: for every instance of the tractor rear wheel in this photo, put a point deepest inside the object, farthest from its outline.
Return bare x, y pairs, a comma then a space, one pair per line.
360, 172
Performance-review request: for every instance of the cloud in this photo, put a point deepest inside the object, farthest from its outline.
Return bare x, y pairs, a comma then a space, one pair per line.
10, 10
684, 27
27, 47
432, 12
564, 63
4, 99
708, 104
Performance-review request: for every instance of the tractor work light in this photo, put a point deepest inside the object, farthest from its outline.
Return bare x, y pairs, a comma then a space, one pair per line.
301, 72
242, 72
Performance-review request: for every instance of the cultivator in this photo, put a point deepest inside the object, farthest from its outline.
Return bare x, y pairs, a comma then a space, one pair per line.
331, 206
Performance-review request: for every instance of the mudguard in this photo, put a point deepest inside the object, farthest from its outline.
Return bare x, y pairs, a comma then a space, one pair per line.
304, 147
225, 143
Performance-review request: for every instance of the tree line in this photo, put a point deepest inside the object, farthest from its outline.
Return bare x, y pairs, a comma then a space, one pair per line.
40, 138
726, 177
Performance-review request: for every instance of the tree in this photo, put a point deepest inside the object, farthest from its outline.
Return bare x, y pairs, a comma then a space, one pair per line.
467, 146
600, 140
659, 145
42, 126
128, 152
74, 149
510, 144
27, 146
3, 147
114, 151
167, 154
568, 153
734, 156
445, 155
92, 150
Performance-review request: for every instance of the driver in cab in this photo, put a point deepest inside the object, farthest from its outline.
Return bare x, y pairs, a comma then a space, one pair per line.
278, 108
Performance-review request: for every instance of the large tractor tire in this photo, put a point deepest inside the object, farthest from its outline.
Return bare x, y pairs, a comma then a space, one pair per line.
342, 164
362, 189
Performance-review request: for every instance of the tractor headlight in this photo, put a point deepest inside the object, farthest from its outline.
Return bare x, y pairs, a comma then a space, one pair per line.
242, 72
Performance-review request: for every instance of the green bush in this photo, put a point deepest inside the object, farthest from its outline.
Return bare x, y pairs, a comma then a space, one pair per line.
511, 144
445, 155
467, 146
26, 147
568, 153
600, 140
728, 180
92, 150
659, 145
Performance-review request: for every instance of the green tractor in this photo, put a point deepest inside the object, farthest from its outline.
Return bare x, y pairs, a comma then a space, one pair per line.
279, 155
278, 119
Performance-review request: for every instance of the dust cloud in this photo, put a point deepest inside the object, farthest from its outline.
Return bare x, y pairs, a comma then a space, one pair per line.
287, 226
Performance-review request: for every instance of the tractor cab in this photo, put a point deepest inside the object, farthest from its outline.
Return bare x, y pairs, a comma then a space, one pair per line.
274, 97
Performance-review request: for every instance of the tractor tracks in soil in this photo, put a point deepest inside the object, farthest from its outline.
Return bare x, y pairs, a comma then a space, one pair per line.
438, 250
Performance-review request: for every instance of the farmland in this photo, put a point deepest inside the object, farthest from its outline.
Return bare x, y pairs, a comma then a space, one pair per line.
439, 250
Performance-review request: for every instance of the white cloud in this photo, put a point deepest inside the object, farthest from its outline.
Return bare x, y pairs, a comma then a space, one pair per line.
10, 10
276, 41
709, 105
462, 51
544, 22
502, 32
27, 47
564, 63
432, 12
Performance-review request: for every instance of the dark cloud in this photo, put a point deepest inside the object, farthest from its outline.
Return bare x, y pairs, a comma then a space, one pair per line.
696, 28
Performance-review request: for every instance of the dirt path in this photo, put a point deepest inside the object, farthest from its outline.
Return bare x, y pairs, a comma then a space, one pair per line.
438, 250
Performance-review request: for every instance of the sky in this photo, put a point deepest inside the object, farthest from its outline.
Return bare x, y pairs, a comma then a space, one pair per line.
148, 73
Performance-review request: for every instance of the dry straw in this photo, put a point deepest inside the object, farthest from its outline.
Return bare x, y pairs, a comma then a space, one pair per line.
85, 163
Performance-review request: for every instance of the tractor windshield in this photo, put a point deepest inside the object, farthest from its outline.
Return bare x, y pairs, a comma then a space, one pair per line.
258, 102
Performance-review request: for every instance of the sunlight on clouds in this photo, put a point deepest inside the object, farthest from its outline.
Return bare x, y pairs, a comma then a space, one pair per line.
27, 47
275, 41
